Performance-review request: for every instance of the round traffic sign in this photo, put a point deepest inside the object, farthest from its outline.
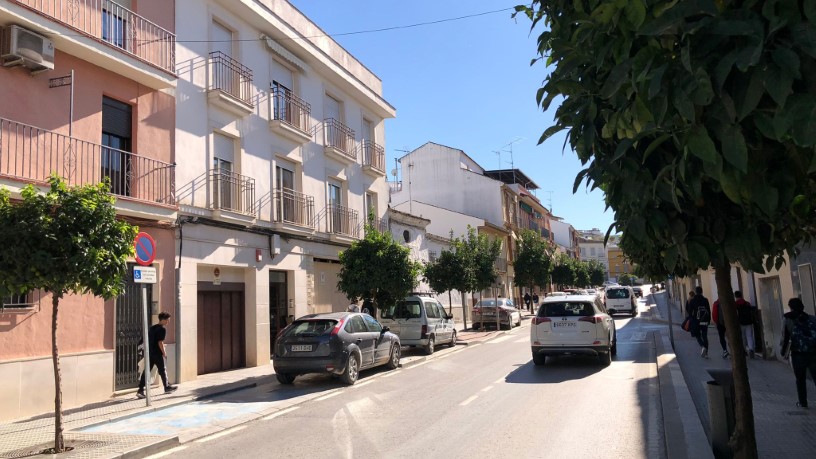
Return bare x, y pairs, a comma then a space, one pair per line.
145, 249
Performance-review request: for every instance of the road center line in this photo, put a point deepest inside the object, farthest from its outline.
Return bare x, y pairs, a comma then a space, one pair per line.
469, 400
221, 434
500, 380
333, 394
487, 388
280, 413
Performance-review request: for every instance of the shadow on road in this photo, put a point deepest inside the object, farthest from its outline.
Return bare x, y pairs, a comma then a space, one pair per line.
557, 370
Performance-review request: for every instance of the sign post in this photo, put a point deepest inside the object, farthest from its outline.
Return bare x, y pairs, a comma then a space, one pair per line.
143, 274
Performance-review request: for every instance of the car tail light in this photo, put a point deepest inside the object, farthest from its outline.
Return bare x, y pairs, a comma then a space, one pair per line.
329, 367
590, 319
337, 327
541, 320
424, 331
477, 311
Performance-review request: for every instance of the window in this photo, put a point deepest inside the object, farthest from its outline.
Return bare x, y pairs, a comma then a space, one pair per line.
370, 204
335, 200
568, 309
223, 172
406, 236
372, 324
117, 119
333, 109
432, 256
311, 328
592, 251
356, 325
285, 184
617, 293
367, 133
431, 311
15, 301
114, 26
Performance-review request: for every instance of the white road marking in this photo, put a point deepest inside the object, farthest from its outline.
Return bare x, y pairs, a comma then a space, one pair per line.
167, 453
389, 374
362, 384
500, 380
333, 394
280, 413
499, 340
522, 340
487, 388
221, 434
469, 400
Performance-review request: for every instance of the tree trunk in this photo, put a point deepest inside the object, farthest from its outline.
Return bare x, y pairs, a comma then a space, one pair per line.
743, 441
464, 308
450, 304
59, 443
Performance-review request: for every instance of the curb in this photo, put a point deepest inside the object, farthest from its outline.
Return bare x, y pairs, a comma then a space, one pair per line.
684, 436
145, 450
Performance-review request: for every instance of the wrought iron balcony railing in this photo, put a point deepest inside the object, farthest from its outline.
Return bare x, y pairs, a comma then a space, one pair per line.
113, 24
373, 155
232, 192
230, 77
291, 109
340, 137
32, 154
294, 207
380, 224
341, 220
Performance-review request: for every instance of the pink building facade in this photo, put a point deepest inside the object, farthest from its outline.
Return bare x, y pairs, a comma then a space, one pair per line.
121, 126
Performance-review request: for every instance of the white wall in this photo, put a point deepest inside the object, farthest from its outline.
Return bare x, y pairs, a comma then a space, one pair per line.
561, 233
443, 221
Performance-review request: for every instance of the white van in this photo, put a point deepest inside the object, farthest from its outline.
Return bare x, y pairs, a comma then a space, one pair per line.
419, 321
620, 299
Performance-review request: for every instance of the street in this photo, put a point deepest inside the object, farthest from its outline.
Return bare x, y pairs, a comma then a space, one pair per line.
477, 401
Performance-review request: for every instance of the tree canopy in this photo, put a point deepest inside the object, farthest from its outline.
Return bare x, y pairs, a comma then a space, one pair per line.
698, 121
533, 260
563, 273
597, 272
67, 240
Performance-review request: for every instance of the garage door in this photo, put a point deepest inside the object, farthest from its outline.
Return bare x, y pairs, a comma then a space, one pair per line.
221, 337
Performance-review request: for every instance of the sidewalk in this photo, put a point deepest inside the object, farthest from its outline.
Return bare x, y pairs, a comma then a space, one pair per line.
28, 437
782, 429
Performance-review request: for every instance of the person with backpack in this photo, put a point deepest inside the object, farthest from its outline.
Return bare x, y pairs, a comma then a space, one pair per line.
799, 342
745, 315
700, 309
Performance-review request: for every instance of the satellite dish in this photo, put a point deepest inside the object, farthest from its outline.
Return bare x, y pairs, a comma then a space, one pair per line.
394, 172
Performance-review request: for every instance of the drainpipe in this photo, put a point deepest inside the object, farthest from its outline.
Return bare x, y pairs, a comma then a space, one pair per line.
180, 223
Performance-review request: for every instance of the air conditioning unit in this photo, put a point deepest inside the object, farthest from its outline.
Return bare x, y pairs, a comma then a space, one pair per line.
19, 46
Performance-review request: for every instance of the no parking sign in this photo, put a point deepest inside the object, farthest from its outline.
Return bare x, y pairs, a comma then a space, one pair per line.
145, 249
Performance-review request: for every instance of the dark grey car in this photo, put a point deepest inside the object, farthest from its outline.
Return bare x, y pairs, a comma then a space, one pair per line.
338, 343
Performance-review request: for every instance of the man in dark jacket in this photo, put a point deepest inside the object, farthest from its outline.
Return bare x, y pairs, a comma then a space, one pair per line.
719, 320
801, 359
155, 337
745, 315
700, 309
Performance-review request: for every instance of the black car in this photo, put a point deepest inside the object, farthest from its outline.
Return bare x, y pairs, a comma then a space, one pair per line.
337, 343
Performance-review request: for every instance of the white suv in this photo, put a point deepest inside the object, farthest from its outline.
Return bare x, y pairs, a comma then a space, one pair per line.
575, 324
620, 299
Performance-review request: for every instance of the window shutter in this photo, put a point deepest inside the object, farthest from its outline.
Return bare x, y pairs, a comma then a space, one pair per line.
117, 118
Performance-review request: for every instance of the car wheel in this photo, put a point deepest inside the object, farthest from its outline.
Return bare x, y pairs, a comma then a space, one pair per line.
614, 349
518, 323
509, 323
634, 312
605, 358
285, 378
394, 361
430, 347
352, 370
453, 339
539, 359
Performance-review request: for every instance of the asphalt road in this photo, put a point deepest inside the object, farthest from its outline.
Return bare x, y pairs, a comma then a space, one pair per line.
484, 400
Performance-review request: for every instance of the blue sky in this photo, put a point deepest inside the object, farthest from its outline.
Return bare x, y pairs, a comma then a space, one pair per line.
466, 84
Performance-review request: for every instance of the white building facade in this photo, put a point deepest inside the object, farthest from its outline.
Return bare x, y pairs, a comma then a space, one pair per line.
280, 146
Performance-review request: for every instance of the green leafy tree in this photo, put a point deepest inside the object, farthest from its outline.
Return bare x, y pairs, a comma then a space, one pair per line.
696, 118
563, 273
597, 272
581, 273
533, 260
478, 253
445, 274
377, 269
64, 241
626, 279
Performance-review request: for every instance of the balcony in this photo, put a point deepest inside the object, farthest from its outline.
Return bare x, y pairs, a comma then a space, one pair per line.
290, 116
293, 211
145, 187
379, 224
230, 84
339, 141
108, 24
341, 221
232, 196
373, 159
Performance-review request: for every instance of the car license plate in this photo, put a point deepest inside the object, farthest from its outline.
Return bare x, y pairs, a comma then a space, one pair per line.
564, 324
301, 348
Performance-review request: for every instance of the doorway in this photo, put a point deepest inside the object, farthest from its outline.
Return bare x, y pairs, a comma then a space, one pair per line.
278, 302
129, 331
221, 335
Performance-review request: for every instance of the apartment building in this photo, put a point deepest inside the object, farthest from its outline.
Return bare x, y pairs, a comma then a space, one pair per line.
87, 92
592, 247
566, 237
280, 146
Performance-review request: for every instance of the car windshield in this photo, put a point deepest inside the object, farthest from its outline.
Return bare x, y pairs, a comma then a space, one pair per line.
566, 308
617, 293
306, 328
486, 304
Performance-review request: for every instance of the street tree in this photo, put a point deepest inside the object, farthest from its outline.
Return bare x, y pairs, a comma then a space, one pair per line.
377, 269
445, 274
581, 270
597, 272
63, 241
479, 253
533, 260
626, 279
697, 119
563, 274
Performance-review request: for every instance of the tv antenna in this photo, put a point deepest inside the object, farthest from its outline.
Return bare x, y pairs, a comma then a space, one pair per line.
508, 148
549, 199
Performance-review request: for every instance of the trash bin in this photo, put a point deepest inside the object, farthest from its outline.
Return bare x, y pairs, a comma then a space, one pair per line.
721, 421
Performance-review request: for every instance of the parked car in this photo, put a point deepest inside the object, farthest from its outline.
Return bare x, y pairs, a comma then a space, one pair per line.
620, 299
573, 325
337, 343
551, 294
485, 312
420, 321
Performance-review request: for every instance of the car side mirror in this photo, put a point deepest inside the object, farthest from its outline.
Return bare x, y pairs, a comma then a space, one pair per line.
384, 329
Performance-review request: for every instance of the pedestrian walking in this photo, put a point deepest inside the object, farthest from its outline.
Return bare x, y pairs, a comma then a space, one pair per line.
528, 300
158, 355
535, 302
746, 314
688, 303
700, 309
353, 306
799, 343
719, 321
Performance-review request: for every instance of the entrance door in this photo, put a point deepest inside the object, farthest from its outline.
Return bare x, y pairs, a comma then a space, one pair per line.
128, 331
220, 331
277, 304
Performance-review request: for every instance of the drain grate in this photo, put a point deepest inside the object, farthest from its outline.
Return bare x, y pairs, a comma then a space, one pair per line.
41, 449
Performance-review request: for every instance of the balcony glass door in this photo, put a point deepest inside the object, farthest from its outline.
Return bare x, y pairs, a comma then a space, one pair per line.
335, 205
286, 187
116, 139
